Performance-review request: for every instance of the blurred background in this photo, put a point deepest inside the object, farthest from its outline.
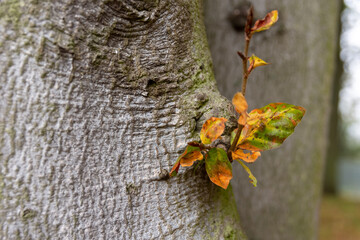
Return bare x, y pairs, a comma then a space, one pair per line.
340, 200
340, 208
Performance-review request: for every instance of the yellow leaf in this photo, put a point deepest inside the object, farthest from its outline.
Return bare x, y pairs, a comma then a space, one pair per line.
212, 129
265, 23
240, 103
251, 176
247, 157
255, 62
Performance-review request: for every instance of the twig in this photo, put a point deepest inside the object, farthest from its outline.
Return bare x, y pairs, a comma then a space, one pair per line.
244, 57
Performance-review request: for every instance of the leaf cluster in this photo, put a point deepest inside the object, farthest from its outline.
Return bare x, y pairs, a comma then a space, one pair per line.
262, 129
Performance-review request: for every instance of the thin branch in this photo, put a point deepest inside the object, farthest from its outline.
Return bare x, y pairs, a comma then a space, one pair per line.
245, 72
244, 57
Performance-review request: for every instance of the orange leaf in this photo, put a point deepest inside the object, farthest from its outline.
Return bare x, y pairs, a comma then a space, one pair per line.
212, 129
243, 119
240, 103
247, 157
190, 158
265, 23
218, 167
175, 169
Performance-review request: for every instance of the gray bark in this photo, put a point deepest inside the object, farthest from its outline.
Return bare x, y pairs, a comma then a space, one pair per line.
98, 101
302, 50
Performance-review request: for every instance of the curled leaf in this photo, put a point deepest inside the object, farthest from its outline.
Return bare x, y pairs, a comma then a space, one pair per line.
218, 167
189, 156
247, 157
268, 127
255, 62
240, 103
175, 169
251, 176
265, 23
212, 129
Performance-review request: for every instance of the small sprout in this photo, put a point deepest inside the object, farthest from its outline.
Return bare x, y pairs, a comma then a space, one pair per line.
262, 129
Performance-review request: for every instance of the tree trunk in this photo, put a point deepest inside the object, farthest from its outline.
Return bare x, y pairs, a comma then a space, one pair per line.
98, 100
335, 137
301, 48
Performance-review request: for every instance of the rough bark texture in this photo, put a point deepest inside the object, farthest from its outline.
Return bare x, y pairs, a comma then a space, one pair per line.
301, 48
98, 101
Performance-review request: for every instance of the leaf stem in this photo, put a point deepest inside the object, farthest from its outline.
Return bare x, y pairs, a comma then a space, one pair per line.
236, 139
245, 72
248, 36
199, 145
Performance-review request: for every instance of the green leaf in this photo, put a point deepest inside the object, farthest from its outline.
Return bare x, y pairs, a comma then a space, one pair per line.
268, 127
251, 176
189, 156
218, 167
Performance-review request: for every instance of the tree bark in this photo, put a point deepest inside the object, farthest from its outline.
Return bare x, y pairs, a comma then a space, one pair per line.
98, 100
301, 48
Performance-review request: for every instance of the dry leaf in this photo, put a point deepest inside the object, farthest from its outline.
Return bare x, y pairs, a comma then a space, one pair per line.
247, 157
265, 23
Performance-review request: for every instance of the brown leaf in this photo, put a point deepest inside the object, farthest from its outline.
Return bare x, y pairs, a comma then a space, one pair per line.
265, 23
